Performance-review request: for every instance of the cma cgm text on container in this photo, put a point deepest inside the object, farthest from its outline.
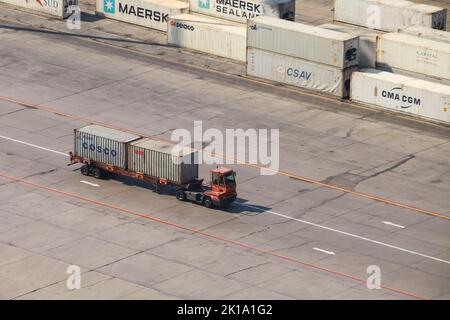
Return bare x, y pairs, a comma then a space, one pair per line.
57, 8
147, 13
241, 10
401, 93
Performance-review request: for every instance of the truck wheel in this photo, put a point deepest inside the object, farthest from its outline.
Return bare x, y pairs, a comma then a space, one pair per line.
181, 195
207, 202
96, 173
85, 170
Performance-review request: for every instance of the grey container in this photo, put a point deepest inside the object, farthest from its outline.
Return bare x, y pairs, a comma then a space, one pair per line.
162, 159
102, 144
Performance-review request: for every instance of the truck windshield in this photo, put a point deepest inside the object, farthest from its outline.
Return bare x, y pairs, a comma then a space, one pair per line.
229, 179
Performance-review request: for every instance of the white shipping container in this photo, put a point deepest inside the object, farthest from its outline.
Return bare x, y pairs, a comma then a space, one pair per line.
207, 35
414, 75
153, 14
428, 33
53, 7
298, 72
303, 41
241, 10
367, 41
389, 15
163, 160
400, 93
415, 54
102, 144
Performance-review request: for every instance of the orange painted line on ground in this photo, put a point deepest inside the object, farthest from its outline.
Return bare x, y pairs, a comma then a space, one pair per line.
206, 234
287, 174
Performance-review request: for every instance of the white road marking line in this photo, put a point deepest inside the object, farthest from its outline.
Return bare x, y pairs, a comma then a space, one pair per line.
347, 234
393, 224
90, 183
35, 146
282, 215
325, 251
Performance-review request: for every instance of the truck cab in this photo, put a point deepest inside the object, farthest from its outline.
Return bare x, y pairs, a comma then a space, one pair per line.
220, 192
222, 189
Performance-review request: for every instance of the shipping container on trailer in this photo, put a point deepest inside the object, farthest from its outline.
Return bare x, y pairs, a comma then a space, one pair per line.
59, 8
389, 15
415, 54
211, 36
166, 160
147, 13
428, 33
400, 93
298, 72
367, 41
242, 10
303, 41
103, 150
103, 144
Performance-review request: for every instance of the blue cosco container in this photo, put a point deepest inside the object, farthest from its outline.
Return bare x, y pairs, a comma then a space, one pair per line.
103, 144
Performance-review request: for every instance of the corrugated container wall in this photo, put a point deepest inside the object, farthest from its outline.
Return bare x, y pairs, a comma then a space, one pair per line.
54, 7
400, 93
367, 41
103, 144
147, 13
207, 35
242, 10
389, 15
415, 54
303, 41
163, 160
415, 75
428, 33
298, 72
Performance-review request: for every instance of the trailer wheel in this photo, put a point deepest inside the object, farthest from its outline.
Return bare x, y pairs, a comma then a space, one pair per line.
96, 173
207, 202
181, 195
85, 170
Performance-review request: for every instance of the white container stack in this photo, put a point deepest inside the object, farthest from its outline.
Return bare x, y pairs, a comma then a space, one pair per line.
399, 51
153, 14
389, 15
242, 10
400, 93
212, 36
301, 55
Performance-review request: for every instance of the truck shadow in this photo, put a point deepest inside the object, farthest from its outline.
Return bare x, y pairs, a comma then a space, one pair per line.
242, 206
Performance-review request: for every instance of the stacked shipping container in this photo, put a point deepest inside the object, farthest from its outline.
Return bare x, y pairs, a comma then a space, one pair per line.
213, 36
301, 55
147, 13
396, 92
242, 10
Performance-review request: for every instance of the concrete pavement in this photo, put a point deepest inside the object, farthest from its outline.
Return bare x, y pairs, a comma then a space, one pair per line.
125, 256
